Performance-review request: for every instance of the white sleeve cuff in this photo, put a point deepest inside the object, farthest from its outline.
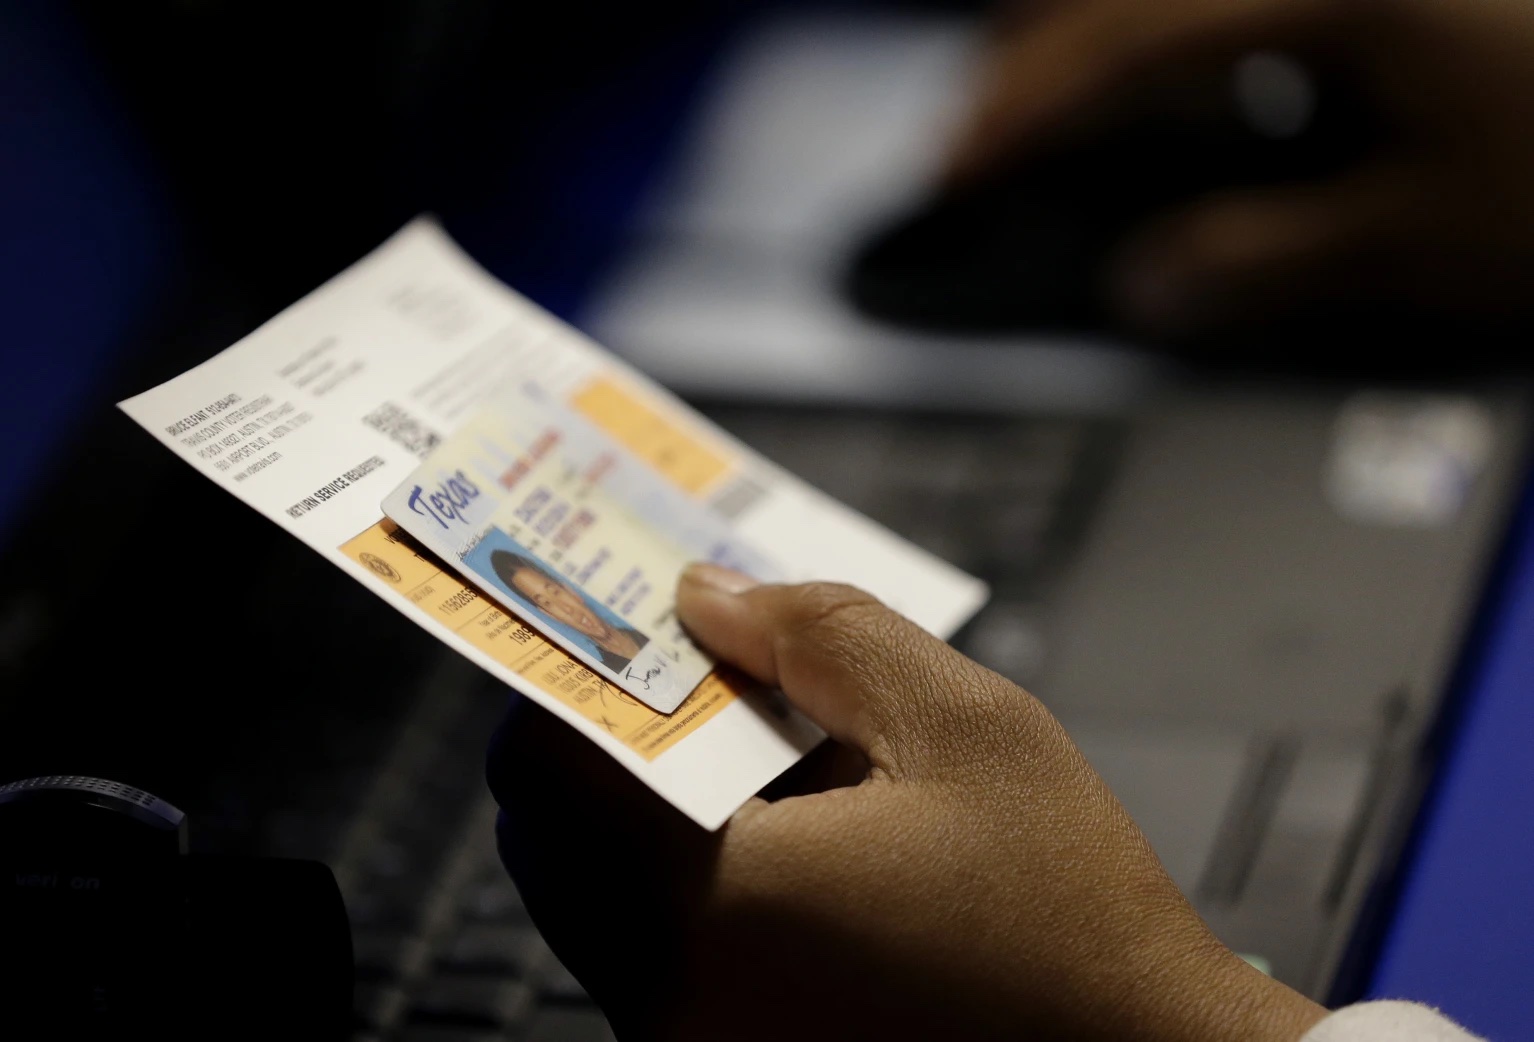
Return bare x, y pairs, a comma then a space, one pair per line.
1388, 1022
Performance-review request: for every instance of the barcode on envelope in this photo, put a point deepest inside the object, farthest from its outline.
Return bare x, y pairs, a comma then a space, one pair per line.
403, 429
737, 497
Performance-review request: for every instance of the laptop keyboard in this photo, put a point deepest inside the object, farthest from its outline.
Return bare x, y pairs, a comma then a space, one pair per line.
444, 949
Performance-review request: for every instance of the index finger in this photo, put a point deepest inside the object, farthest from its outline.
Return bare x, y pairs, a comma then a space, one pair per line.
1081, 54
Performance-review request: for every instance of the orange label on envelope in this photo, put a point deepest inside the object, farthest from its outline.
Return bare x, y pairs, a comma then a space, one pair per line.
672, 450
439, 593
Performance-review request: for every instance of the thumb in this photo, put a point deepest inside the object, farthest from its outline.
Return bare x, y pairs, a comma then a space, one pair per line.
864, 673
1247, 254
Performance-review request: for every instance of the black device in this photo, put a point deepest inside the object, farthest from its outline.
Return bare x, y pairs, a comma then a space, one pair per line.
1025, 249
110, 926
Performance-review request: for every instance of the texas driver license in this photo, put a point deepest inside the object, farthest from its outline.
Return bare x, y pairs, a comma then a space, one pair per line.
574, 535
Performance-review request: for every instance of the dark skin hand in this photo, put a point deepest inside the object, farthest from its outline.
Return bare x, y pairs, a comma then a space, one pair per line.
1440, 215
949, 867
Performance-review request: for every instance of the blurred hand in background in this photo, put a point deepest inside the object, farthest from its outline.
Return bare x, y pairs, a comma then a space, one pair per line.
1440, 213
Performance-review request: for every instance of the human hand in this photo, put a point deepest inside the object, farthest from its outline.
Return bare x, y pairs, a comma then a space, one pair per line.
1438, 216
972, 877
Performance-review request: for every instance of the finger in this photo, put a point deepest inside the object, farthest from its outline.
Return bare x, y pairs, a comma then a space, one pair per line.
871, 678
586, 842
1085, 53
549, 780
1248, 254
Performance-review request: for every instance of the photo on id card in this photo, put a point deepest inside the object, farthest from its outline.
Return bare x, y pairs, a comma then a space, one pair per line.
535, 585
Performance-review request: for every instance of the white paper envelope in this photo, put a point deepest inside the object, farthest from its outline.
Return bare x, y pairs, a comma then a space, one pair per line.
315, 417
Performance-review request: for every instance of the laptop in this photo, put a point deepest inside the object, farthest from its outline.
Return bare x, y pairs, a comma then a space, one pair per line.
1244, 601
1244, 598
